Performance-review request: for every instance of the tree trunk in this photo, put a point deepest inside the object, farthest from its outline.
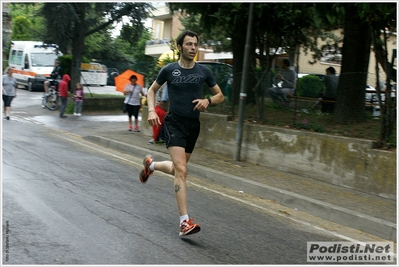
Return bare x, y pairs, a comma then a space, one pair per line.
350, 104
388, 108
78, 41
238, 52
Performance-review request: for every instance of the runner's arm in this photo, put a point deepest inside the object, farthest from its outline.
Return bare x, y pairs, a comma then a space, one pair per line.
218, 96
153, 118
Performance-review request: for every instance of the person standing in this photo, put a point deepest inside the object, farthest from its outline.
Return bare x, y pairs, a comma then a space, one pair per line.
64, 93
288, 78
185, 79
78, 96
164, 104
55, 75
133, 92
9, 91
156, 131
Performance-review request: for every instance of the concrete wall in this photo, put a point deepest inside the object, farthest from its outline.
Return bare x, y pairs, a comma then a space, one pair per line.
103, 103
343, 161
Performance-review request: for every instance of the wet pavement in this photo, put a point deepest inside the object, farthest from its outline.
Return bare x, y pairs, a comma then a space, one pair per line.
371, 214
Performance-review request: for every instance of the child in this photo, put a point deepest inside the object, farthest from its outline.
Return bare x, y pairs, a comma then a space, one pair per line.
79, 94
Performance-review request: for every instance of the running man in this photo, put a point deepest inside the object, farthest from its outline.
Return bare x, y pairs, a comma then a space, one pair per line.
185, 79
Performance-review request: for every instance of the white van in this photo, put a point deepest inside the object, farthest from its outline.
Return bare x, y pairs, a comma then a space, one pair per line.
32, 62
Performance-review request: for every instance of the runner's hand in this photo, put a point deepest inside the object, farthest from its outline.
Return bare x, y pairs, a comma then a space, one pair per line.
153, 119
202, 104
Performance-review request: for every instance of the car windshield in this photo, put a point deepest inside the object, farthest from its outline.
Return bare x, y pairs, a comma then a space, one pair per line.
221, 72
43, 59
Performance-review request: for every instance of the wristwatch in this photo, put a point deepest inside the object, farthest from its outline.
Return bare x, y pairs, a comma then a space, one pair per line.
209, 100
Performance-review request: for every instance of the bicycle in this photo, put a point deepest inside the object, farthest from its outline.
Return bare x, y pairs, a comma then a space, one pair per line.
51, 100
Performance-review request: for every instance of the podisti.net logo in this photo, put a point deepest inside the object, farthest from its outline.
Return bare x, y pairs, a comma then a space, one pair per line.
350, 252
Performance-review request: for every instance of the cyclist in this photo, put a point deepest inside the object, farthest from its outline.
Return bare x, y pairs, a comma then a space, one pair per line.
55, 75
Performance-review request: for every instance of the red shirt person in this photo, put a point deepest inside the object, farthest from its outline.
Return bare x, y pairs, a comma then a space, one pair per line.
161, 112
64, 92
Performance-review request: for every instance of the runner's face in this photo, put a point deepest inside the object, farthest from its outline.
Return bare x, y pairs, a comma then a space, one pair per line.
189, 48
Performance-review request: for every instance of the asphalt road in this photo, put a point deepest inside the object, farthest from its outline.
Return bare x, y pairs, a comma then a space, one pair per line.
68, 201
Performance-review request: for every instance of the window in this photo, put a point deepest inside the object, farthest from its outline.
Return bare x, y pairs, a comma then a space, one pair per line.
43, 59
16, 57
19, 58
26, 65
13, 57
158, 30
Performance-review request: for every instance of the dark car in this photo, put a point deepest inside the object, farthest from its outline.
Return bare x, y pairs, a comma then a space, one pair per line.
223, 74
112, 73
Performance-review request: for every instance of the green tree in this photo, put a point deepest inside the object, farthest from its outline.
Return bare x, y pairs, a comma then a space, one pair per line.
367, 22
234, 27
94, 44
122, 52
69, 24
216, 38
283, 26
142, 63
275, 25
349, 107
382, 20
291, 25
20, 29
35, 27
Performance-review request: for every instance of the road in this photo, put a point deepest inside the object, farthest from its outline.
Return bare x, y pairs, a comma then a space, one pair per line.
68, 201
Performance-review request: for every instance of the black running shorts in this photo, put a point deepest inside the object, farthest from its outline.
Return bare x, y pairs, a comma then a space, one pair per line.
7, 100
133, 111
181, 132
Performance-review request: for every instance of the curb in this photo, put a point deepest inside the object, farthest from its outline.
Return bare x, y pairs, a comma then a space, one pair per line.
340, 215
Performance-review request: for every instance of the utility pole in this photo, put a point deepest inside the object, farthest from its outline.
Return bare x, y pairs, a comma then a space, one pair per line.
244, 83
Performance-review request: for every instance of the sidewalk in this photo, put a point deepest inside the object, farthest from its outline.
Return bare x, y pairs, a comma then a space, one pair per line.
371, 214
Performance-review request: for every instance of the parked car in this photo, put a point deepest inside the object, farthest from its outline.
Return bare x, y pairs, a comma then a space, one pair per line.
371, 93
223, 74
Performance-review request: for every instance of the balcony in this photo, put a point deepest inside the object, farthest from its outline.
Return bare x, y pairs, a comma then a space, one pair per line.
155, 48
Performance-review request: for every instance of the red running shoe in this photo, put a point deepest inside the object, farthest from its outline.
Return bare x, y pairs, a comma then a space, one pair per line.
188, 227
146, 172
